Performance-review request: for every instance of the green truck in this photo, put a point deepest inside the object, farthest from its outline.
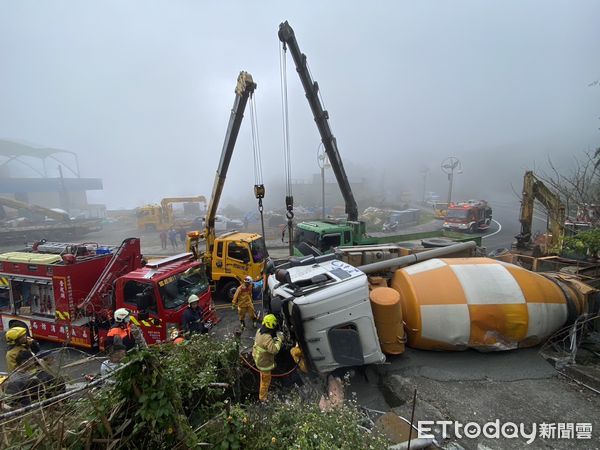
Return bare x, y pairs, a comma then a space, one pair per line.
323, 235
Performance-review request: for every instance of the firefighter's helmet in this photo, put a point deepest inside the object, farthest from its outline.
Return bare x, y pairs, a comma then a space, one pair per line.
270, 321
122, 315
15, 333
193, 299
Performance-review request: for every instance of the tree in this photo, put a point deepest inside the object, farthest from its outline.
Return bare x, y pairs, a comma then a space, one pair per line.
579, 189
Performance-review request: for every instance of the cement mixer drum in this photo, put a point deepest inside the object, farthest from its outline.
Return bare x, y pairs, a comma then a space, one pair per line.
481, 303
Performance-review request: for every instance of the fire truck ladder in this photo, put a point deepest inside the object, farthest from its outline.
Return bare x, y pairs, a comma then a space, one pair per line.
103, 285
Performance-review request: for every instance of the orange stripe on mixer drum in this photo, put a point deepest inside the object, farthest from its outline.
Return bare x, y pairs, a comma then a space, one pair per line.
536, 288
498, 324
438, 287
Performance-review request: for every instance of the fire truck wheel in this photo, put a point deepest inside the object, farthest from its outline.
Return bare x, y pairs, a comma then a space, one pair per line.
228, 290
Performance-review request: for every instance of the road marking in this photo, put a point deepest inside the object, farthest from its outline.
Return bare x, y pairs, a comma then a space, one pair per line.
495, 232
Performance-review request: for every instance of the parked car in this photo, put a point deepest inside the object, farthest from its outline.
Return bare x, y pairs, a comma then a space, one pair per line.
222, 223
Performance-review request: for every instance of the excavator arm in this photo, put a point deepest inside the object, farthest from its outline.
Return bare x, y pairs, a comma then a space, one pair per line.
244, 89
311, 88
535, 189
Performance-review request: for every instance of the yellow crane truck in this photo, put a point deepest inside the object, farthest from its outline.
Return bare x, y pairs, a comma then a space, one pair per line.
232, 256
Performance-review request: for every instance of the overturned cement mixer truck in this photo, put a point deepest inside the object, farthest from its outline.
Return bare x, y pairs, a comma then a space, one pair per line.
341, 315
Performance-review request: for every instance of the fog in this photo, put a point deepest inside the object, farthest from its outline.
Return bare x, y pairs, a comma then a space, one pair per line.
142, 90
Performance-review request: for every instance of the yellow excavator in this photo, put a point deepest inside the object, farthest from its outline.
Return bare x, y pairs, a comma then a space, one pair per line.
161, 217
535, 189
233, 256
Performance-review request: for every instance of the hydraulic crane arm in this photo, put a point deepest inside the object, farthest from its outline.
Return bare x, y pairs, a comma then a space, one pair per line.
534, 189
244, 89
311, 88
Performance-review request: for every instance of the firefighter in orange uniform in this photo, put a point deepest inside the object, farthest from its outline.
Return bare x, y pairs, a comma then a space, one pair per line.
244, 302
175, 336
120, 332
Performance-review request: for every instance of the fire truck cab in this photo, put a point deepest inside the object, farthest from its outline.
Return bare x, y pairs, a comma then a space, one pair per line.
469, 217
67, 293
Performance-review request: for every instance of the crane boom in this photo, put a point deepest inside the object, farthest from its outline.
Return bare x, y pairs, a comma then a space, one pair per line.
321, 116
244, 89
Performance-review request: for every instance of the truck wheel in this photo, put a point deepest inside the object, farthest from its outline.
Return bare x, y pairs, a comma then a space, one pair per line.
228, 290
473, 229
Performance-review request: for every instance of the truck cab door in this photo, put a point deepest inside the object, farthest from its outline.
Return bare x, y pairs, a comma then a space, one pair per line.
347, 238
238, 259
141, 299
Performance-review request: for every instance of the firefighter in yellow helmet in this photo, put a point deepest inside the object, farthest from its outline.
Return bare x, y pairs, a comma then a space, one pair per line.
244, 302
17, 341
267, 344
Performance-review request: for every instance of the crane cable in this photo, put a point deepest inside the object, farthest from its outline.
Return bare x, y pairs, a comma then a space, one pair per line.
259, 187
289, 198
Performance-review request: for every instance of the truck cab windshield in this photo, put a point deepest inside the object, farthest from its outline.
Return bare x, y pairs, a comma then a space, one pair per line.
458, 213
176, 289
310, 237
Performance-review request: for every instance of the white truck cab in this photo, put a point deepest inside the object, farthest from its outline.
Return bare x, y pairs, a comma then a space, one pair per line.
325, 305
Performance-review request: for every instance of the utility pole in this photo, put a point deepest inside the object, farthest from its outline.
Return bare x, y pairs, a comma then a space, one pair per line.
424, 171
64, 197
323, 162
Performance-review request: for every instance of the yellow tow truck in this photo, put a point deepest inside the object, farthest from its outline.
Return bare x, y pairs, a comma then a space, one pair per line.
161, 217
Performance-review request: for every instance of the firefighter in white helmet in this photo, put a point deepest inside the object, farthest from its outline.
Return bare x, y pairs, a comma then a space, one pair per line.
244, 302
120, 332
192, 321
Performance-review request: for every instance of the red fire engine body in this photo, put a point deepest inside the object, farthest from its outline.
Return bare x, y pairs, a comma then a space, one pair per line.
470, 216
67, 293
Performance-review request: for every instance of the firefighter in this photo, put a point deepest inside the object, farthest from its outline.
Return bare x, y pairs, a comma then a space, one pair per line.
298, 357
191, 321
18, 341
120, 332
267, 344
175, 336
244, 301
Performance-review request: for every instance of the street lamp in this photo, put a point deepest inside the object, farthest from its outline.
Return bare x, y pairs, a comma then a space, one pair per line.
323, 163
449, 166
424, 171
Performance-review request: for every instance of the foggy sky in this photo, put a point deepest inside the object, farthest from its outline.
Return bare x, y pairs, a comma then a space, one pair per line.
142, 90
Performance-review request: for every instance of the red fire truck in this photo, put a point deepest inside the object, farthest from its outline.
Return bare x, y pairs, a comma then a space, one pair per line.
470, 216
67, 292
